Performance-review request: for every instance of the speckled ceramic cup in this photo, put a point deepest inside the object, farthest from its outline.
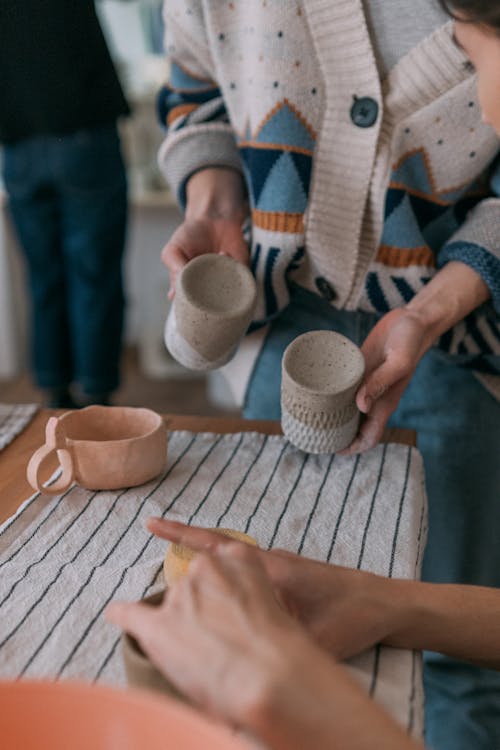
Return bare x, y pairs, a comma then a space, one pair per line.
140, 671
213, 306
321, 372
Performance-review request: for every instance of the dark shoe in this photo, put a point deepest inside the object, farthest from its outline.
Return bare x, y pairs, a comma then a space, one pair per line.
59, 398
91, 399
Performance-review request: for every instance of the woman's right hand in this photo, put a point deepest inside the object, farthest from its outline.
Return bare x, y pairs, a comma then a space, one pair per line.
345, 611
215, 211
225, 641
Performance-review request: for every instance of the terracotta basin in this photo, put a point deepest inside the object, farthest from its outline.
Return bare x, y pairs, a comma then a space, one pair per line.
68, 715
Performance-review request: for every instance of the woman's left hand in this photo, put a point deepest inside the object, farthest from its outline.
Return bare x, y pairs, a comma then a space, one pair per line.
392, 351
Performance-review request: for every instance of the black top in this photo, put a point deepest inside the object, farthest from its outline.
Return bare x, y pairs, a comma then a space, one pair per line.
56, 73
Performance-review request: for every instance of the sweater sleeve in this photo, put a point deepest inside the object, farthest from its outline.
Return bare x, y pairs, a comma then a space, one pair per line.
477, 242
190, 105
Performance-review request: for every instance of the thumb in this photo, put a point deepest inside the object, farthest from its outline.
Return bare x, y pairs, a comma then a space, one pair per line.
378, 382
238, 250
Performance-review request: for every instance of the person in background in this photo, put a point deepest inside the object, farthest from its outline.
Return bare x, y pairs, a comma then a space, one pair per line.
67, 193
351, 131
477, 33
255, 637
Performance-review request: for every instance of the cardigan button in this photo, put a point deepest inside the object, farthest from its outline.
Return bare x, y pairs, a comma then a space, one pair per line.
364, 112
325, 288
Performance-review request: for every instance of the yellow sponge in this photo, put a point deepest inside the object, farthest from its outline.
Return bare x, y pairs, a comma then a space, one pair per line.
178, 556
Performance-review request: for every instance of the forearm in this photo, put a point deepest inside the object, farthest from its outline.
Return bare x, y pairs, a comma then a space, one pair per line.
449, 297
216, 193
460, 621
316, 703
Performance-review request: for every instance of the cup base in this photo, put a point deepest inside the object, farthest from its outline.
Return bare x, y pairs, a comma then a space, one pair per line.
183, 352
317, 441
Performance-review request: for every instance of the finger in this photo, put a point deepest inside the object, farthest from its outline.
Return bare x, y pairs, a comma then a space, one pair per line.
368, 436
380, 380
238, 251
246, 566
175, 259
133, 617
373, 425
197, 539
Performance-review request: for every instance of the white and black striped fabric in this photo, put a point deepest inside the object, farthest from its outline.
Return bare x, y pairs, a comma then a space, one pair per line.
63, 559
13, 420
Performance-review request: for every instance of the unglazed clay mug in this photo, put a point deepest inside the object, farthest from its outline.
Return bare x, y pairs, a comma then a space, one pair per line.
214, 302
102, 448
140, 671
321, 372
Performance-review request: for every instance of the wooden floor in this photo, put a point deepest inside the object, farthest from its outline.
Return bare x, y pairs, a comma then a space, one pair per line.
173, 395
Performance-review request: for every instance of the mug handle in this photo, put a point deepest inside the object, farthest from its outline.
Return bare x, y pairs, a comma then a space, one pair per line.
55, 441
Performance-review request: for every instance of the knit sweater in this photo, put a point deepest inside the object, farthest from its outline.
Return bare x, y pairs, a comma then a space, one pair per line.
360, 188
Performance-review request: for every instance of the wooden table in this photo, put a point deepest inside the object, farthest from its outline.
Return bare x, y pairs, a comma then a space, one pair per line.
14, 488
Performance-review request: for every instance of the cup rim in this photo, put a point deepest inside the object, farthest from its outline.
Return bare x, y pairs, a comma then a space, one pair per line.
327, 391
247, 300
158, 420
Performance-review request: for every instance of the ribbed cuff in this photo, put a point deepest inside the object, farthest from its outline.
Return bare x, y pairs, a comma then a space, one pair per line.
193, 149
478, 258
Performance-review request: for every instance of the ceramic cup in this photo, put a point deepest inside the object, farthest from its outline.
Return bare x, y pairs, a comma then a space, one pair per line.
102, 448
321, 372
214, 301
140, 671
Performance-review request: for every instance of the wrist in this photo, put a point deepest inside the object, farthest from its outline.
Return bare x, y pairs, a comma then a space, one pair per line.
409, 612
449, 297
216, 193
286, 710
427, 319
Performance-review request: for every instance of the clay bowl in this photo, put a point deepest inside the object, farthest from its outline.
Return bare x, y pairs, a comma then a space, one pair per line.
140, 671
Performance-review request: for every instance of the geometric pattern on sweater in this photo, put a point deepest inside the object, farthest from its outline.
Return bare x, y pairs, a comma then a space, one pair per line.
262, 112
277, 160
424, 218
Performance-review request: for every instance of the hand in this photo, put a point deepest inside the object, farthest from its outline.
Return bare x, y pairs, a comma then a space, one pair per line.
392, 351
224, 640
345, 611
220, 634
216, 209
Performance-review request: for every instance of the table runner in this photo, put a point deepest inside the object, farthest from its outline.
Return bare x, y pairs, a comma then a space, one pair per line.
63, 559
13, 420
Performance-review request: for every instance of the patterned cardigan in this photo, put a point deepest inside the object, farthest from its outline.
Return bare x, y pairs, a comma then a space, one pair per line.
359, 189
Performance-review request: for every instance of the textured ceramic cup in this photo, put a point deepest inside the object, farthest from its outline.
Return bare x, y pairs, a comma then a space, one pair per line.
214, 301
321, 372
102, 448
140, 671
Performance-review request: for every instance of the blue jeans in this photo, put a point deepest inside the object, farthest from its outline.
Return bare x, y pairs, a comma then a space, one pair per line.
458, 428
68, 201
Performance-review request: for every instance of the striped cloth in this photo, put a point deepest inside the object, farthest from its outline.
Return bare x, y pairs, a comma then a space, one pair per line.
13, 420
63, 559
